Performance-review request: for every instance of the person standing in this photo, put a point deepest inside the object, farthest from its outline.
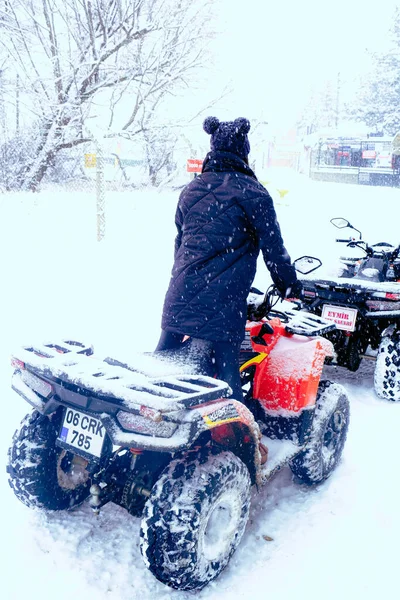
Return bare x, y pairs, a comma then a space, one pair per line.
224, 218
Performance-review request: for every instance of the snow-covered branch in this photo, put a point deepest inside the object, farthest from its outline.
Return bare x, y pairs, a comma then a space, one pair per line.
73, 55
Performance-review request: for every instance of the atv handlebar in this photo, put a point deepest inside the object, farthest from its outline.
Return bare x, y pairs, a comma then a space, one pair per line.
258, 309
369, 250
290, 313
359, 244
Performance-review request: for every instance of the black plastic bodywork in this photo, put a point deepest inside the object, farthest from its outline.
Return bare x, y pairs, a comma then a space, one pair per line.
374, 316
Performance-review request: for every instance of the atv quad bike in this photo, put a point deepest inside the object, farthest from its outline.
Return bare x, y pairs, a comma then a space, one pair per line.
168, 444
364, 303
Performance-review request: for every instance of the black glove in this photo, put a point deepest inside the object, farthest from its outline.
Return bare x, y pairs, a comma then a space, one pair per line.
257, 313
295, 291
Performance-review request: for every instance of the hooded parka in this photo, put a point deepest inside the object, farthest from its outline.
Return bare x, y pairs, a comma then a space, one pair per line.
224, 218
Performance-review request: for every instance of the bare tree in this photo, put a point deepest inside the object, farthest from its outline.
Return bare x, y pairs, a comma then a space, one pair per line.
74, 56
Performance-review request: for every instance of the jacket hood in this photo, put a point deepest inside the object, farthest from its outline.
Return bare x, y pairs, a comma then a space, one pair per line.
220, 161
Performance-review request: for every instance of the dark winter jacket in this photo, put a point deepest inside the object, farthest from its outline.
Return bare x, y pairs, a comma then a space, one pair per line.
224, 218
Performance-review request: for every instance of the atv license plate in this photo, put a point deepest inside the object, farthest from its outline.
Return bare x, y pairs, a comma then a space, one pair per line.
344, 318
82, 432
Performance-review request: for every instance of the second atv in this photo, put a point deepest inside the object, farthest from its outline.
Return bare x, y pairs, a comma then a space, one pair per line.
364, 303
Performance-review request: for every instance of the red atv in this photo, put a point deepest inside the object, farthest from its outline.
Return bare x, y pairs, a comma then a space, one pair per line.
168, 443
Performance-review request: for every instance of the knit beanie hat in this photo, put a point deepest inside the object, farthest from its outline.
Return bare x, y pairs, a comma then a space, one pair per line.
229, 136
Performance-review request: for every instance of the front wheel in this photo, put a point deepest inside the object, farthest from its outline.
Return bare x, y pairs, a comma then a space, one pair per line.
387, 369
328, 435
195, 518
41, 474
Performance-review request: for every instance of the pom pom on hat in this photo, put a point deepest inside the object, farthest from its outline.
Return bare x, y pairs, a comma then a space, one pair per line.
242, 124
210, 124
229, 136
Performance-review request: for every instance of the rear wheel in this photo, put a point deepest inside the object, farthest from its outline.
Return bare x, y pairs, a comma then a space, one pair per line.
353, 354
387, 369
328, 435
195, 518
41, 474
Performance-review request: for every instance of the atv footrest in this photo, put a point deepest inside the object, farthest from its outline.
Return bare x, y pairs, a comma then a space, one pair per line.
280, 452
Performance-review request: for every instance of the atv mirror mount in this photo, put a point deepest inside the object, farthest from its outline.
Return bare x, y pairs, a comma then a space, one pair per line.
341, 223
306, 264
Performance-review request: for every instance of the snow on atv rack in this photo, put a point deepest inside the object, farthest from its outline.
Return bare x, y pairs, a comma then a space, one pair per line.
360, 285
157, 382
354, 291
300, 322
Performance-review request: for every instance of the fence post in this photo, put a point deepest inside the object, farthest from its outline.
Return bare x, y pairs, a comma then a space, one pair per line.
100, 192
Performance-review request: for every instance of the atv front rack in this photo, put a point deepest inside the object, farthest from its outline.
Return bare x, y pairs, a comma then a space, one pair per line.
304, 323
158, 383
300, 321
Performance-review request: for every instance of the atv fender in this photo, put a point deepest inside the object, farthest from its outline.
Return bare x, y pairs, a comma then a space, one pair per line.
232, 426
289, 377
390, 330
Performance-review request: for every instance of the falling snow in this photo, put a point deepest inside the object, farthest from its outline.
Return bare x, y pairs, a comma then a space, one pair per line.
337, 540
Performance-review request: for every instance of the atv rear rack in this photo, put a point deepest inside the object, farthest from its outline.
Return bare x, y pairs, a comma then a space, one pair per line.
356, 294
352, 284
157, 383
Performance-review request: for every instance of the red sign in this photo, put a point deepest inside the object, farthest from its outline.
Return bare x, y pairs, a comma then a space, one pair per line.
194, 165
369, 154
344, 318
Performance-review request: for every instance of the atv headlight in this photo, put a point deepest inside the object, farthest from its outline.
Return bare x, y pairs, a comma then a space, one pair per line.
132, 422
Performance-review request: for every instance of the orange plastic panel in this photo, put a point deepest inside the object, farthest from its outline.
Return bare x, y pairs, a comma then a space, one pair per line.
288, 377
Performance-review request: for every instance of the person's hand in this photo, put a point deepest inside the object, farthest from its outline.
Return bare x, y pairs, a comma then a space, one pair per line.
295, 291
257, 312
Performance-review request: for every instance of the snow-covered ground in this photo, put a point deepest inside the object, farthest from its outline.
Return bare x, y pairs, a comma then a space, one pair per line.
339, 540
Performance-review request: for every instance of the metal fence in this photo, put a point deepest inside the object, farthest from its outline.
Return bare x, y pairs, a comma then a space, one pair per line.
91, 167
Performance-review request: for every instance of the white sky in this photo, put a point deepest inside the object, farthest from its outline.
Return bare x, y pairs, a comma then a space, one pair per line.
276, 52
